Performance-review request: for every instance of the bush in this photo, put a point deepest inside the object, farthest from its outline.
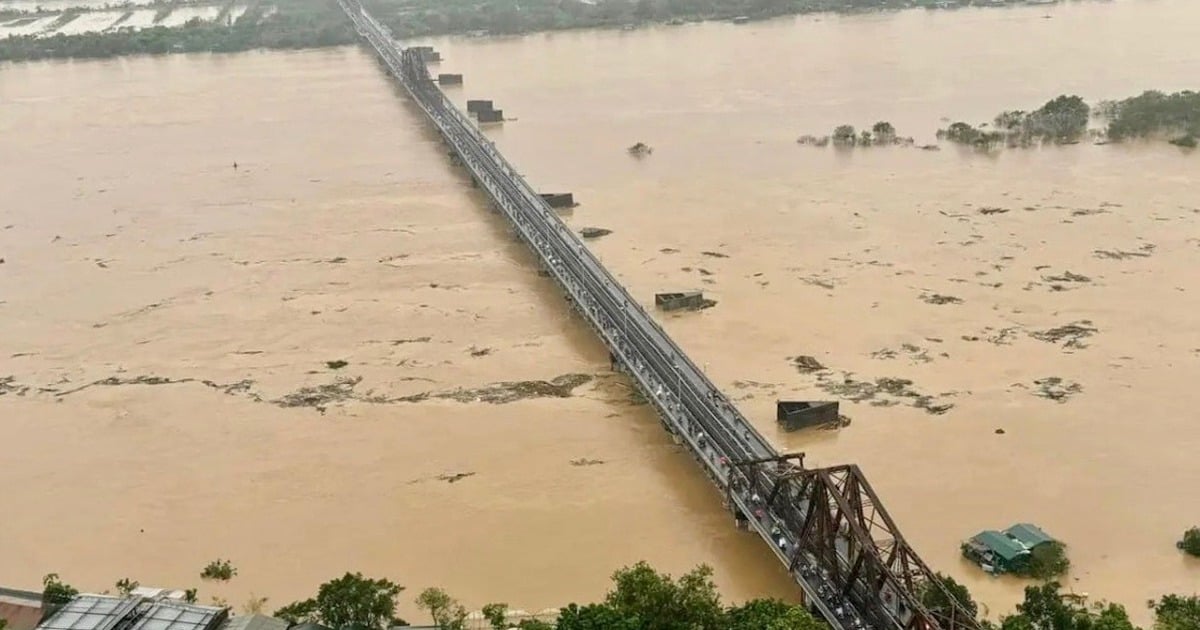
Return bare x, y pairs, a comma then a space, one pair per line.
1190, 543
218, 569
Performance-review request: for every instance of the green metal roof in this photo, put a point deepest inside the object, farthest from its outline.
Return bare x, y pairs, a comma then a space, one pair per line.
1001, 545
1029, 535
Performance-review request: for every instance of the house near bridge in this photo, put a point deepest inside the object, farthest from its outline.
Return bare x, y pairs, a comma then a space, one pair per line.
1008, 551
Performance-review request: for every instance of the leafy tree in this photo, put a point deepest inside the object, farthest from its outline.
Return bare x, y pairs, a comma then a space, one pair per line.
1190, 543
1048, 560
884, 132
189, 596
497, 615
1062, 119
845, 135
3, 623
1176, 612
596, 617
771, 614
534, 624
940, 601
1045, 608
446, 612
55, 593
345, 601
1154, 114
661, 603
1011, 121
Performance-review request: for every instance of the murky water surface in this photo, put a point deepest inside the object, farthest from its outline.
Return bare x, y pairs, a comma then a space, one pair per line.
135, 254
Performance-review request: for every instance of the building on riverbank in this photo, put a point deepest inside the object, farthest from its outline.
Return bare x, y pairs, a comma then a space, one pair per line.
20, 610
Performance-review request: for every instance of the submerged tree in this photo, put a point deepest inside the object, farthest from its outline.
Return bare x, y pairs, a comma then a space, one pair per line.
1190, 543
845, 135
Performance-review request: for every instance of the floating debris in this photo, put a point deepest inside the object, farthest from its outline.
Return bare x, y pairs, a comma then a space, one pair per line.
989, 211
8, 385
714, 254
1056, 389
819, 282
1115, 254
640, 149
454, 477
336, 365
586, 462
321, 396
1072, 335
1067, 276
883, 392
915, 353
509, 391
939, 299
806, 364
397, 342
594, 232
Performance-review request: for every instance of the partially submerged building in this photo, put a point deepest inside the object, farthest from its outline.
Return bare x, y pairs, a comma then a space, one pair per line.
1009, 551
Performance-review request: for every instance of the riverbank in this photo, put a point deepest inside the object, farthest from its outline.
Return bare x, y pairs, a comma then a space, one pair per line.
317, 23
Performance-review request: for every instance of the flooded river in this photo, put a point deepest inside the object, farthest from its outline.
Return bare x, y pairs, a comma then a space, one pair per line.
166, 319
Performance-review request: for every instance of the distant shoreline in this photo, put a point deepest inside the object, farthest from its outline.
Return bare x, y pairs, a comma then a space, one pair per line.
320, 24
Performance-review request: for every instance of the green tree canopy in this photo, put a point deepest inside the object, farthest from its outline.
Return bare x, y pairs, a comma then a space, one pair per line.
350, 600
1176, 612
1191, 541
661, 603
55, 592
939, 600
771, 614
1045, 608
596, 617
446, 612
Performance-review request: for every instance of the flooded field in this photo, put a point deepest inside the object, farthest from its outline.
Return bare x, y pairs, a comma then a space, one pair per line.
168, 322
108, 20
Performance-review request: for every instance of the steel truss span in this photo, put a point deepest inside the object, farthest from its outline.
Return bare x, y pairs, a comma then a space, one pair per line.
826, 525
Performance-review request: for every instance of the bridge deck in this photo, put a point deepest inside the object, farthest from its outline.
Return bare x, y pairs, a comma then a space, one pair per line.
837, 562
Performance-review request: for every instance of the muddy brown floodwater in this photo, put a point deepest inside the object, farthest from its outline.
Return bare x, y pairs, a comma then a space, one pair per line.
166, 320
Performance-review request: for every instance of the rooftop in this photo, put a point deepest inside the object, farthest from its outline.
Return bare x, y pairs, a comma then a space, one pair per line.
1003, 546
104, 612
255, 622
21, 609
1028, 534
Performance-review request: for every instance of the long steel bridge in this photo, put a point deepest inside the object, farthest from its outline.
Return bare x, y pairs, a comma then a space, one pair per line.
826, 525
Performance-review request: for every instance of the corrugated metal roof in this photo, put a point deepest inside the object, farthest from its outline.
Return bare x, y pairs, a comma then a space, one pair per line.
1028, 534
1001, 545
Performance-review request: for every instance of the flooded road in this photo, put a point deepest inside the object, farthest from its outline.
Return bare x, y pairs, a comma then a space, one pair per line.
135, 254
